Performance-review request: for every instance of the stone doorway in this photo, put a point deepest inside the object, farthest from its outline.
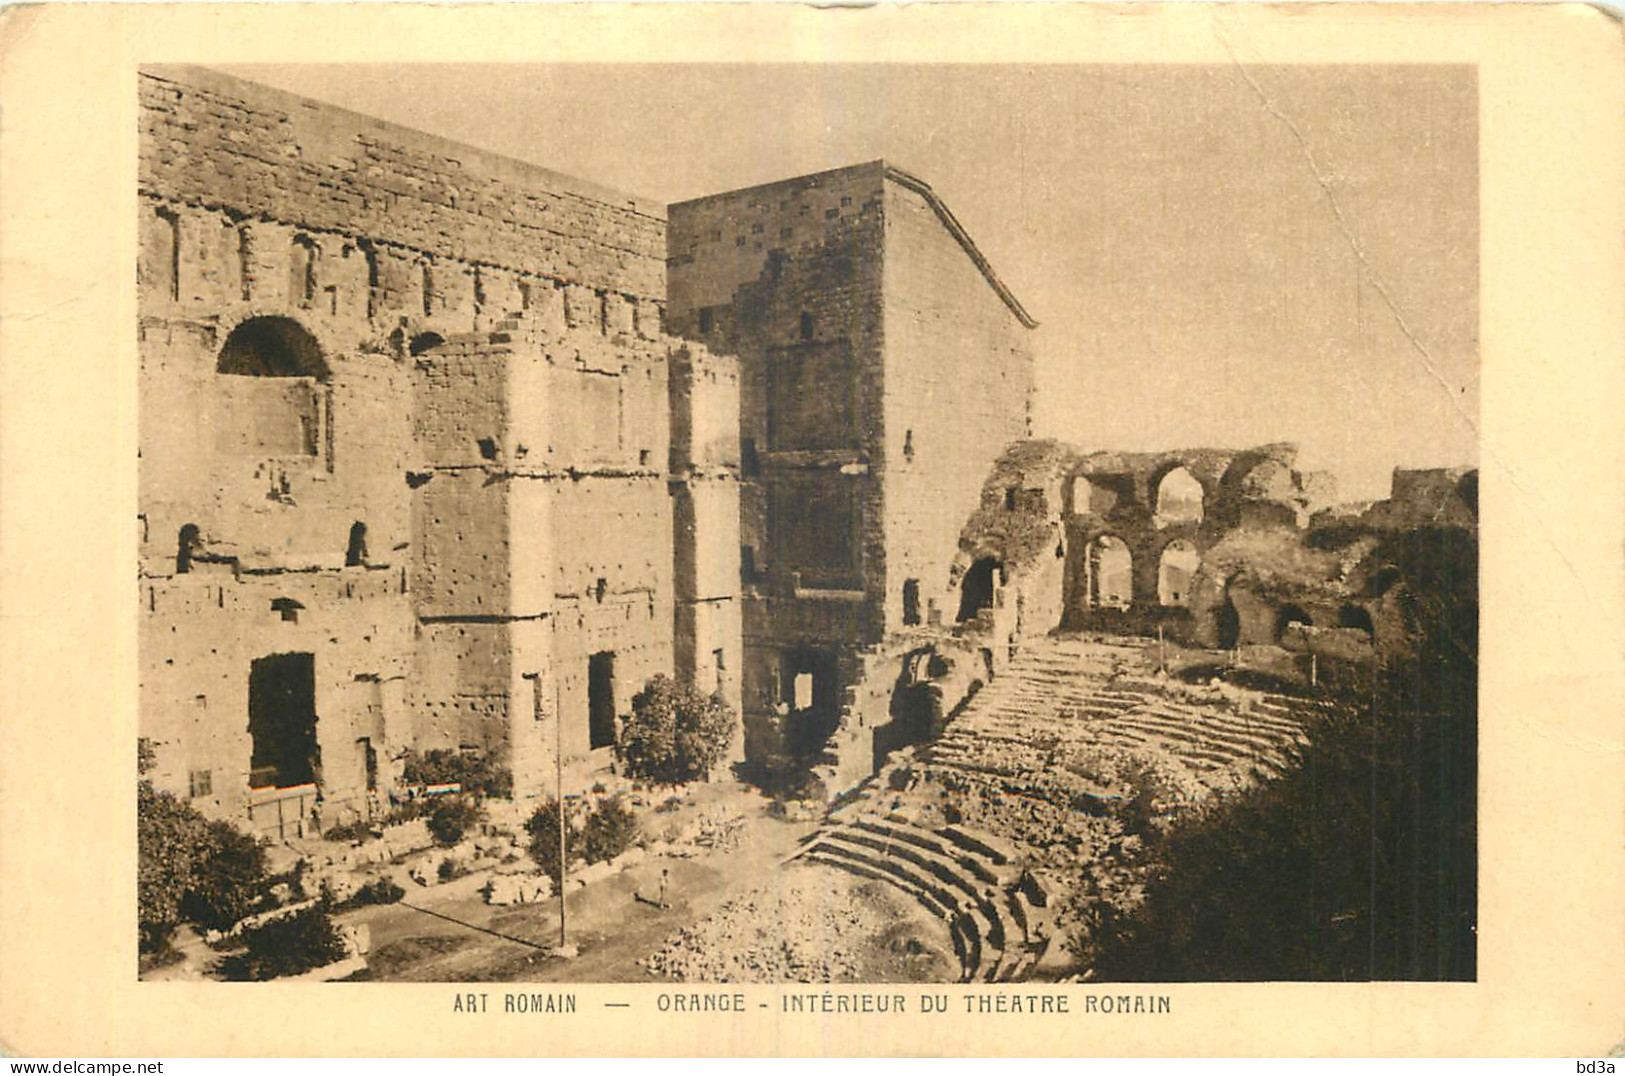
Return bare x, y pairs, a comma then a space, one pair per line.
282, 721
601, 700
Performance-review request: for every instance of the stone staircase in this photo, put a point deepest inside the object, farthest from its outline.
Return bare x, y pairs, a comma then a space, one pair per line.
995, 912
1039, 755
1060, 691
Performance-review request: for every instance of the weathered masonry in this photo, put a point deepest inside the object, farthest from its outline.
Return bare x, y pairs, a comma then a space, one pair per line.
419, 466
882, 367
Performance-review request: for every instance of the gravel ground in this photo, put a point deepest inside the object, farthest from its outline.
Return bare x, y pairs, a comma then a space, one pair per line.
811, 924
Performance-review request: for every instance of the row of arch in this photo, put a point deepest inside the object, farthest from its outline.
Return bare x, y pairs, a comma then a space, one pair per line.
1177, 496
1108, 573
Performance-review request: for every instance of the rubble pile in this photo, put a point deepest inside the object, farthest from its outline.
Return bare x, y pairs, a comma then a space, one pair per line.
805, 925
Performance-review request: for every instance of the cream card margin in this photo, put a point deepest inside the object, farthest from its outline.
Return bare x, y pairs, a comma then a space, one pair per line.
1552, 818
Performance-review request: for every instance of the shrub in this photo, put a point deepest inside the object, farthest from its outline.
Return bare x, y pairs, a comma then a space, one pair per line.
170, 836
608, 831
475, 773
675, 733
349, 831
189, 868
377, 891
543, 827
451, 818
228, 878
289, 945
450, 869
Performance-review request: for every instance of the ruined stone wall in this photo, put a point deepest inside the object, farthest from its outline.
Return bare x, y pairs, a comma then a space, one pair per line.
959, 380
473, 217
467, 362
705, 520
539, 443
788, 278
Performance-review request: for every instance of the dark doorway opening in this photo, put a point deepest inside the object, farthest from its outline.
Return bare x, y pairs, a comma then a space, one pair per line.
811, 686
976, 591
911, 602
355, 554
282, 721
601, 699
1352, 616
1288, 616
186, 548
369, 763
1229, 625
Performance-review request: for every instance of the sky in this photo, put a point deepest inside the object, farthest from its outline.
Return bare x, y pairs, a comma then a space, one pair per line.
1217, 255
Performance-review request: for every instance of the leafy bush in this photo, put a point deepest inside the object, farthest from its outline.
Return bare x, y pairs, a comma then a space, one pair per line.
475, 773
189, 868
608, 831
377, 891
675, 733
450, 869
451, 818
405, 811
170, 836
358, 830
228, 878
288, 945
543, 827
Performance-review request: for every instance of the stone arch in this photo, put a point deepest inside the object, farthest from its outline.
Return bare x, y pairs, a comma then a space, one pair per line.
1177, 497
1176, 569
1100, 494
1288, 615
355, 553
424, 342
1355, 616
1385, 579
272, 345
976, 588
1109, 583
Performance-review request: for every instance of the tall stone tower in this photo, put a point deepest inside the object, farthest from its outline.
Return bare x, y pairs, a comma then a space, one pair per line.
883, 366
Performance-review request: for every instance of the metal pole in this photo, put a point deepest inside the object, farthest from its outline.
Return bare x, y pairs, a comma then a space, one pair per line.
558, 767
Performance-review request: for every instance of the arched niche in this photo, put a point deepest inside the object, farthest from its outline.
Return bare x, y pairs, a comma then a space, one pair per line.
1178, 498
1175, 571
1111, 573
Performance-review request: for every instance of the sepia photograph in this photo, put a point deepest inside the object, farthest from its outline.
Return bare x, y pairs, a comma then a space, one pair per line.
901, 530
824, 523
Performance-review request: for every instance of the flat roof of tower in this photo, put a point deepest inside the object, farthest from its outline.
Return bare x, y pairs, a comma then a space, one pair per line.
911, 182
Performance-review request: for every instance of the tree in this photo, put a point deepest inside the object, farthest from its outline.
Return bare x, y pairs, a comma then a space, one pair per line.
1359, 863
674, 734
608, 831
543, 827
288, 945
170, 836
451, 818
228, 877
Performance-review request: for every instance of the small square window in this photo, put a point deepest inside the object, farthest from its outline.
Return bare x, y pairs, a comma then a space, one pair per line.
200, 783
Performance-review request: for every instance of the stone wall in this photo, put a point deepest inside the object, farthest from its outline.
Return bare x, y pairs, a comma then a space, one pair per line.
406, 409
788, 277
861, 315
959, 381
